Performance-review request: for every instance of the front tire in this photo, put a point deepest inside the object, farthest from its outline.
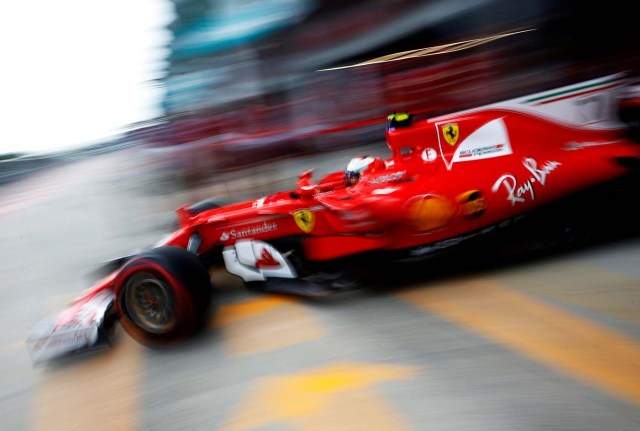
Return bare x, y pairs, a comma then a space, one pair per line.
163, 296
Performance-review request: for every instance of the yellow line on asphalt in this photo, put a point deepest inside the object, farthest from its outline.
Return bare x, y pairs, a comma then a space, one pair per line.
329, 397
232, 313
15, 346
98, 393
590, 287
576, 346
265, 324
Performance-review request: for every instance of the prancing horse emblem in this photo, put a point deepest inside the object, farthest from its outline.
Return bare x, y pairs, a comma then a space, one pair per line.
450, 133
305, 220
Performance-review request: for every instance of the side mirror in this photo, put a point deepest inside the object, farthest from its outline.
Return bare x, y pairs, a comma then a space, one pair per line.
305, 187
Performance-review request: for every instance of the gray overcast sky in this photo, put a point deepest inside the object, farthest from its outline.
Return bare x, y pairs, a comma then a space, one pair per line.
77, 71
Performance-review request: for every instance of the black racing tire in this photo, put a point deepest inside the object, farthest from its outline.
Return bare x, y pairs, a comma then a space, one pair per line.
163, 296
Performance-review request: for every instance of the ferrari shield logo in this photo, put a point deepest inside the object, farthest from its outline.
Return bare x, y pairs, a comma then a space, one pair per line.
450, 133
305, 220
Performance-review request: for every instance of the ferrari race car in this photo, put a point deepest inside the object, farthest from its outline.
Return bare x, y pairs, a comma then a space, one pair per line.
449, 180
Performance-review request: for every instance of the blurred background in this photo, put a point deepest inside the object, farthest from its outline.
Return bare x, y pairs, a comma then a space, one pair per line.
240, 83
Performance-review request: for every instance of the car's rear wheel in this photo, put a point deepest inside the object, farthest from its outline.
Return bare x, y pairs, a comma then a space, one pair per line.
163, 296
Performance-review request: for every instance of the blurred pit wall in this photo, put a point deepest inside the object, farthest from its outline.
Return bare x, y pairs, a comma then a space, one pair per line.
175, 187
247, 107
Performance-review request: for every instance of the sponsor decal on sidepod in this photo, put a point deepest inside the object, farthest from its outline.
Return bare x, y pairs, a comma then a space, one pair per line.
249, 231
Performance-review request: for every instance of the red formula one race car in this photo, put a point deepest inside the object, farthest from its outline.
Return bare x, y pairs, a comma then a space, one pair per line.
449, 180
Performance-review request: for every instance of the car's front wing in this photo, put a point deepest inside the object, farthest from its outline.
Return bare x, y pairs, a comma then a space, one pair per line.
81, 326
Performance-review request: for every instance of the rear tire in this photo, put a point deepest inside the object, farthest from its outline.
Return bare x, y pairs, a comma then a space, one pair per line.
163, 296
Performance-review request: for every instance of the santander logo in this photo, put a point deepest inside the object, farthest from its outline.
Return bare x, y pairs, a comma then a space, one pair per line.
249, 231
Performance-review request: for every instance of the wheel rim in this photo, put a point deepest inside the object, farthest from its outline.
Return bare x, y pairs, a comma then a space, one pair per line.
149, 303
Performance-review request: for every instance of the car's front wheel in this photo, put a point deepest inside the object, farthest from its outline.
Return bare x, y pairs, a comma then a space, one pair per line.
163, 296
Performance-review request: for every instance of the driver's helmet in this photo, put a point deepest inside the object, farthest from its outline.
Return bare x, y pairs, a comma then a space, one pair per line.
357, 166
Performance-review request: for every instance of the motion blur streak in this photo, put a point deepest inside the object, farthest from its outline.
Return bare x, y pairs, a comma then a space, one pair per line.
324, 398
248, 327
601, 291
434, 50
99, 394
592, 353
44, 185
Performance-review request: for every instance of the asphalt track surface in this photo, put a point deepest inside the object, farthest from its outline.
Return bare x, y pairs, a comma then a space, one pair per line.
547, 344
